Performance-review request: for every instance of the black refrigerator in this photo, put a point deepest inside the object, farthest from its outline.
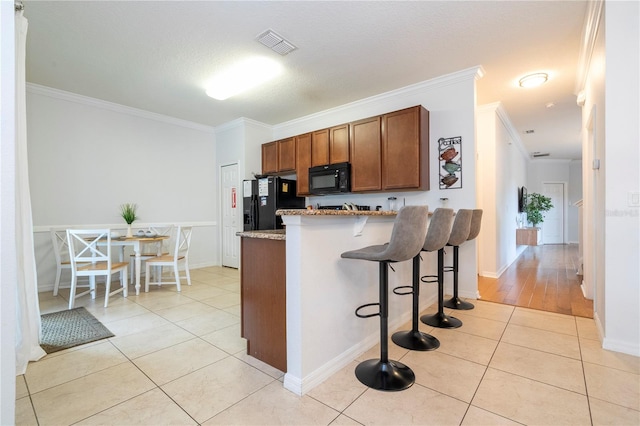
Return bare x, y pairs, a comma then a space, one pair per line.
263, 196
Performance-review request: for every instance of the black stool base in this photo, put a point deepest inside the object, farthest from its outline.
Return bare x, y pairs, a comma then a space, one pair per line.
441, 321
457, 303
385, 376
416, 340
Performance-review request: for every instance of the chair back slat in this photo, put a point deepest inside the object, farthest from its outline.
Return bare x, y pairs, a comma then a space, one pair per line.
60, 245
183, 241
83, 246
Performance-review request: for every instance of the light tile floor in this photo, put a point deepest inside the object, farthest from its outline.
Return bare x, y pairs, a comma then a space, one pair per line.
179, 359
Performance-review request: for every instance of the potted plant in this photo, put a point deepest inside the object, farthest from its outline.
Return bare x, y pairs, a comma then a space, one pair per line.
128, 213
536, 205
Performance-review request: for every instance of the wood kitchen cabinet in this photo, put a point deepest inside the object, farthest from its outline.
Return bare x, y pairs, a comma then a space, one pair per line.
339, 144
320, 148
303, 162
279, 156
269, 158
286, 155
366, 155
264, 300
405, 149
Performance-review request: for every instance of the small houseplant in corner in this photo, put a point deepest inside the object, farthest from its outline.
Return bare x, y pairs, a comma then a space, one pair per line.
128, 213
536, 205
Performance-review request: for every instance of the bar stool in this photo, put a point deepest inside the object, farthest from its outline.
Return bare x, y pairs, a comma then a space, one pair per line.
459, 234
437, 237
455, 302
407, 238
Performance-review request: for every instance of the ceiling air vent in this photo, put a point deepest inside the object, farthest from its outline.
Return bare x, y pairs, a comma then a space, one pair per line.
540, 154
528, 132
275, 42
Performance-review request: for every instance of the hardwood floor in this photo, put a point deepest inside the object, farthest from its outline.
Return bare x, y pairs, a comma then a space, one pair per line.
543, 277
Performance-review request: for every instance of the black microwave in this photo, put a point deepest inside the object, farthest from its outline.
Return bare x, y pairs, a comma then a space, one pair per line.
329, 179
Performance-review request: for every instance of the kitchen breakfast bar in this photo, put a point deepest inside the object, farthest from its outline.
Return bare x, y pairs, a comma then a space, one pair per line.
305, 324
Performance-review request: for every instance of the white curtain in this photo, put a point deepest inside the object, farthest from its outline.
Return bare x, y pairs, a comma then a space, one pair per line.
27, 309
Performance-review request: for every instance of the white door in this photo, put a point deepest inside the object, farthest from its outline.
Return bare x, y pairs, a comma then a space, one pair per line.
230, 205
553, 225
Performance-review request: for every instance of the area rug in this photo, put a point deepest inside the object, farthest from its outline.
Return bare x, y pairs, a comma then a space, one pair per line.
66, 329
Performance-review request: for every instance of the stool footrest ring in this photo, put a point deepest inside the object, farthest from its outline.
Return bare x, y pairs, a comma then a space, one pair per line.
359, 315
429, 278
398, 289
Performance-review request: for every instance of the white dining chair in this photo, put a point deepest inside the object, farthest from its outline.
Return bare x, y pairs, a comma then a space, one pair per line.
61, 254
88, 260
150, 250
179, 254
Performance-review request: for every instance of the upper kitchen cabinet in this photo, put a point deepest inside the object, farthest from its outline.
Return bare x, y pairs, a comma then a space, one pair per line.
366, 158
279, 156
320, 148
287, 155
303, 162
269, 158
339, 144
405, 149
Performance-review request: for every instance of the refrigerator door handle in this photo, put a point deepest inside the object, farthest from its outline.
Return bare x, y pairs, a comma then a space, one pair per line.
254, 213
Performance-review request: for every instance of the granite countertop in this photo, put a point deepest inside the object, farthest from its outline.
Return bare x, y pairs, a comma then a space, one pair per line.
270, 234
321, 212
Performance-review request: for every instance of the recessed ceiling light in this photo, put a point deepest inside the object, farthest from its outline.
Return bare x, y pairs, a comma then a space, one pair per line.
533, 80
242, 77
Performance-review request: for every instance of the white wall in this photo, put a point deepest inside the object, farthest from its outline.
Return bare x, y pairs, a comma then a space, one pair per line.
239, 141
593, 147
575, 194
502, 169
622, 177
8, 271
87, 157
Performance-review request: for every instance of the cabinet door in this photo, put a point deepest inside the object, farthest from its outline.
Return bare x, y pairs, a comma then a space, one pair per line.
320, 148
286, 155
303, 162
366, 170
339, 144
405, 149
269, 158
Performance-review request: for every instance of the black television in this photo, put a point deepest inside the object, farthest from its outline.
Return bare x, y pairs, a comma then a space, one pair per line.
522, 199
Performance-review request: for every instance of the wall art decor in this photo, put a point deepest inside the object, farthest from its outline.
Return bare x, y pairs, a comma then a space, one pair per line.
450, 161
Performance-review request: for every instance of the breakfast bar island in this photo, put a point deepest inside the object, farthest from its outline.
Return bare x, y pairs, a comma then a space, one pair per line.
323, 290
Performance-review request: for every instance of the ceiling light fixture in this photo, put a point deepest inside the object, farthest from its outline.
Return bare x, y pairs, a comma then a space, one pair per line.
533, 80
242, 76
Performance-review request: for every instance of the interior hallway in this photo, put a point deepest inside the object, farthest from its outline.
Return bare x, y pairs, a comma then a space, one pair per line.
179, 359
543, 277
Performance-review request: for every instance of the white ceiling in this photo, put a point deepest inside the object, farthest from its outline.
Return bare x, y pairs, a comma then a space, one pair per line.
158, 55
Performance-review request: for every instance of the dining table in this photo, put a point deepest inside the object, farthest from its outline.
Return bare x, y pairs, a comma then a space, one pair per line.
136, 242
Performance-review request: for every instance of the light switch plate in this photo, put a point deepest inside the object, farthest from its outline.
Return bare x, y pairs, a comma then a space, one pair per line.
633, 199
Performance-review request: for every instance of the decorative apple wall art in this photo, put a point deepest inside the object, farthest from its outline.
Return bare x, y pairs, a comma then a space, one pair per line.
450, 162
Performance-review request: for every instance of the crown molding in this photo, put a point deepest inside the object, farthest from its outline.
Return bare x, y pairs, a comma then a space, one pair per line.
241, 122
498, 108
587, 44
111, 106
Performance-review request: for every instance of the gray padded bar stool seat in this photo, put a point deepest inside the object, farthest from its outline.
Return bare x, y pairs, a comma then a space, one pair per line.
407, 238
437, 237
455, 302
459, 234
